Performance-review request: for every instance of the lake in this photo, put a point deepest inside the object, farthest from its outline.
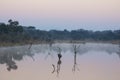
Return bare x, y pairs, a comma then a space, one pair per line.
61, 61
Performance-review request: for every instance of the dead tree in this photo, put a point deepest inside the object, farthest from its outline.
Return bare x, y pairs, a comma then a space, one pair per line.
75, 50
58, 63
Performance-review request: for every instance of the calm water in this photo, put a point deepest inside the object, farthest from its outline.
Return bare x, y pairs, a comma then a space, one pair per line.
90, 61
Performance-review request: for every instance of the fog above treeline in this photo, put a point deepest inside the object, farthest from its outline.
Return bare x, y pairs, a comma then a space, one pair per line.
15, 33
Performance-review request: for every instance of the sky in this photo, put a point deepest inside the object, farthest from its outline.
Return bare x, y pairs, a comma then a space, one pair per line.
63, 14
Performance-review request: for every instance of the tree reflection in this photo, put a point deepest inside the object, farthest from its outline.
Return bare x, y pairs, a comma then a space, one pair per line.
10, 56
8, 60
30, 45
49, 53
75, 50
59, 61
118, 51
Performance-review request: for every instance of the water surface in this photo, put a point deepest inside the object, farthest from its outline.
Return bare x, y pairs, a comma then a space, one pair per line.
90, 61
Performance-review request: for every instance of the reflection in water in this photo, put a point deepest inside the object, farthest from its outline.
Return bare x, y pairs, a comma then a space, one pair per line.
53, 68
10, 56
59, 61
118, 51
8, 60
75, 48
49, 52
30, 45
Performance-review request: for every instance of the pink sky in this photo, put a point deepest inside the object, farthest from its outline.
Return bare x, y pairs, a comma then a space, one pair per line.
61, 12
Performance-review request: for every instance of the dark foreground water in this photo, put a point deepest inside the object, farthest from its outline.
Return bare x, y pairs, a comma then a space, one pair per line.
90, 61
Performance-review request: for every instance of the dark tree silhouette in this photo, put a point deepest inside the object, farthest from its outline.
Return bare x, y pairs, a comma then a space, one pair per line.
14, 33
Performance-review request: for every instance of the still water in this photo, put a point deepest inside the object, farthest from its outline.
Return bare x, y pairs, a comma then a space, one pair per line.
61, 61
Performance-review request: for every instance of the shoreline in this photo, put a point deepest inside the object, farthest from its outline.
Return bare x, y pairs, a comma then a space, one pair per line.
9, 44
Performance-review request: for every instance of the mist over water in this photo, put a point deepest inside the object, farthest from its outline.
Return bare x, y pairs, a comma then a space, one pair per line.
89, 61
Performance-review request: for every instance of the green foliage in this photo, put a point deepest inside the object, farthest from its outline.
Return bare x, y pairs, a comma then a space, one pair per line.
14, 33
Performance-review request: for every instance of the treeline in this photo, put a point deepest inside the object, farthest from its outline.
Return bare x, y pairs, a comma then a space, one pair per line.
12, 32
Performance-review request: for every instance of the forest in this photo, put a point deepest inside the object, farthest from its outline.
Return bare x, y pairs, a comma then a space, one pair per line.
13, 32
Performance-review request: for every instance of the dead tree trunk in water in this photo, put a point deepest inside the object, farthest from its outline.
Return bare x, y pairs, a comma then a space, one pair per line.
58, 63
75, 48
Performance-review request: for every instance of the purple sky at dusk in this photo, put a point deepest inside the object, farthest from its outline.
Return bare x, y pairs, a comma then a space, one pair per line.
63, 14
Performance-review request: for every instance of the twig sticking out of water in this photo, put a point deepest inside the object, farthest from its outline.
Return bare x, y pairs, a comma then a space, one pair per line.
58, 63
59, 60
53, 68
76, 48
